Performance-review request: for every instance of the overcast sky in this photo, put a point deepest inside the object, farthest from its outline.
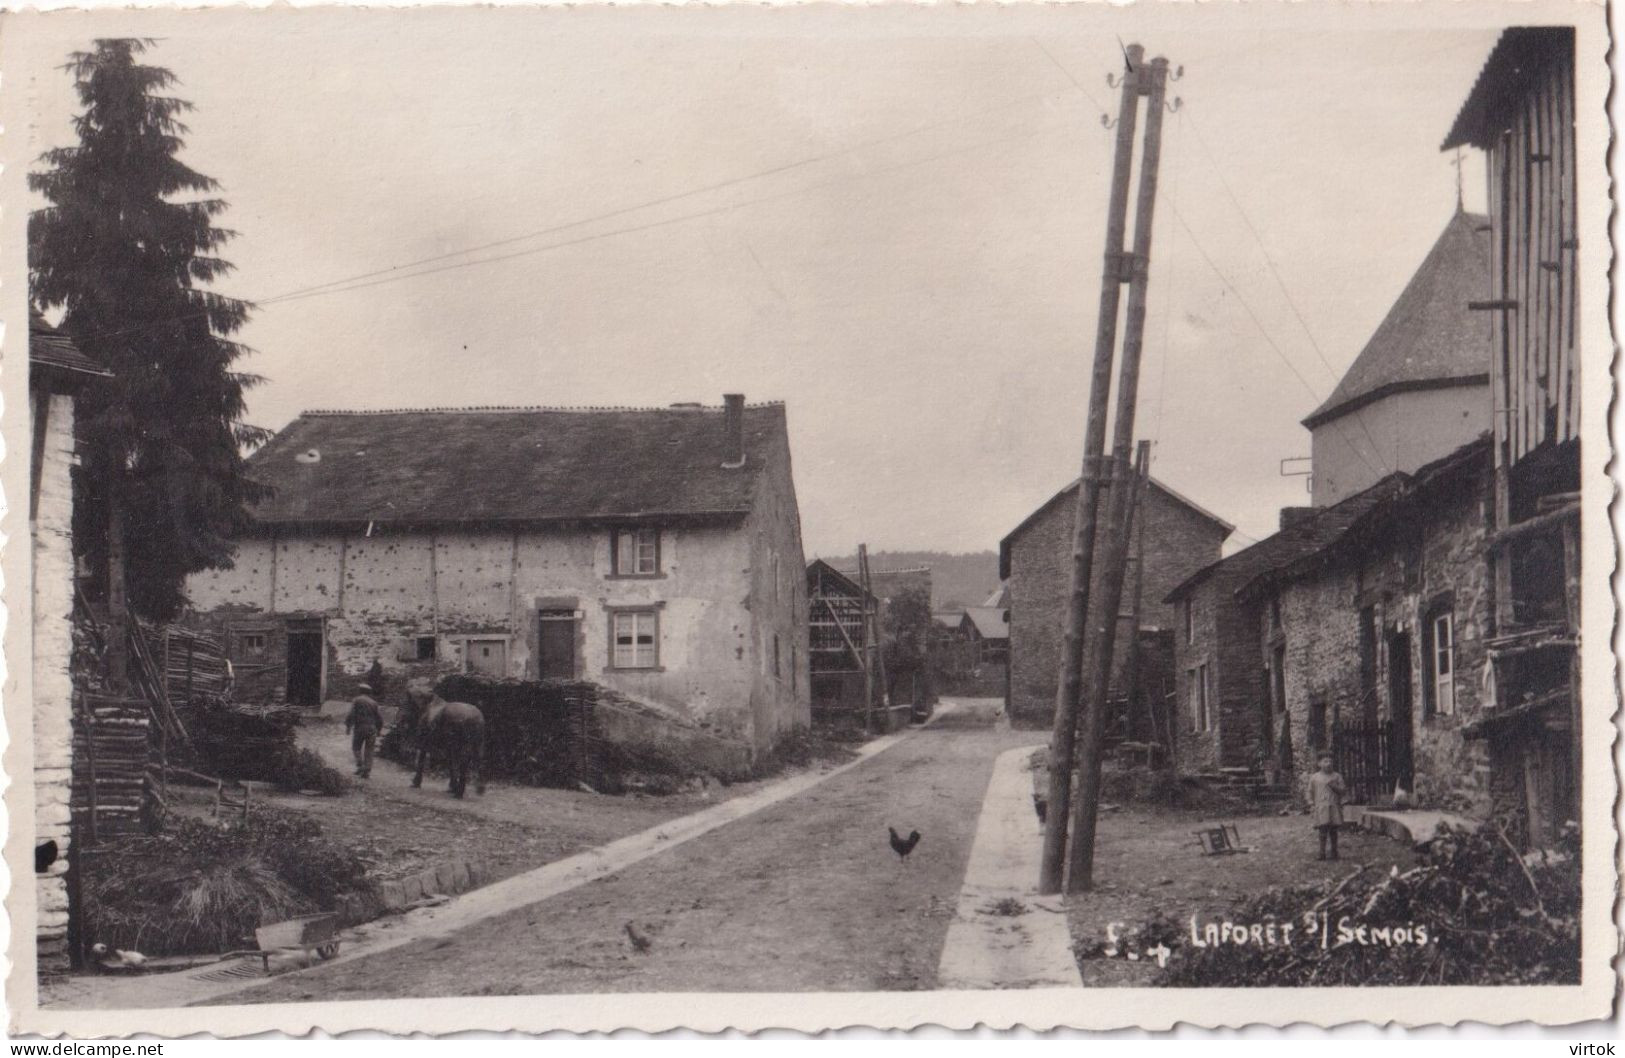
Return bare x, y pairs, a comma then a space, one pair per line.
904, 246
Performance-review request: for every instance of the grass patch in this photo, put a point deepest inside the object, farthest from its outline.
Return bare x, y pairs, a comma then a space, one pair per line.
199, 888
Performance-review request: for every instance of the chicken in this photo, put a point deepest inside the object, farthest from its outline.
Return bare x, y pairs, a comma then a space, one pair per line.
115, 959
903, 846
639, 941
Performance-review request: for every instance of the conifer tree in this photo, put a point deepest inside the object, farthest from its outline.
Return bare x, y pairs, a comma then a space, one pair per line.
126, 249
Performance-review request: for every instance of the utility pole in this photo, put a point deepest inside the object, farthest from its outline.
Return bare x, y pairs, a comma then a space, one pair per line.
1063, 738
1153, 79
868, 640
1136, 526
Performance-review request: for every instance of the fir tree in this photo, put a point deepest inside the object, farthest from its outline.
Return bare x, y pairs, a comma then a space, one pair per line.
125, 249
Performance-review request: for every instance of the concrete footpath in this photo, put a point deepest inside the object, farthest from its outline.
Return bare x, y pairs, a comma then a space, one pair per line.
188, 987
1005, 935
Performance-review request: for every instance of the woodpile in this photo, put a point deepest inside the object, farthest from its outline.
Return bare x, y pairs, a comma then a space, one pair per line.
118, 783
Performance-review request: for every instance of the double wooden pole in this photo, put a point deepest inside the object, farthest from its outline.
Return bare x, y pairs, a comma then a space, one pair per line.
1105, 497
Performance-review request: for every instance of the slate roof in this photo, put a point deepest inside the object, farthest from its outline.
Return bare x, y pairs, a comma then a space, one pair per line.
1430, 338
991, 622
1309, 534
50, 348
510, 466
1406, 501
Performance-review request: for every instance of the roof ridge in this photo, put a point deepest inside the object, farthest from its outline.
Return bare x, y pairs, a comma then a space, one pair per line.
315, 413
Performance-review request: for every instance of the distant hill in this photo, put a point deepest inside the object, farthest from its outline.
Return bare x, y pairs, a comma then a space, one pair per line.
956, 580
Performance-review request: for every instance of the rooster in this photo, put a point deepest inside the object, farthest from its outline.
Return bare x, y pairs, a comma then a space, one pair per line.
903, 846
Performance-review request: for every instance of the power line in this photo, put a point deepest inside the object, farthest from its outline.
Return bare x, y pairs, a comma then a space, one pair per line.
1279, 352
393, 275
1280, 283
714, 211
777, 170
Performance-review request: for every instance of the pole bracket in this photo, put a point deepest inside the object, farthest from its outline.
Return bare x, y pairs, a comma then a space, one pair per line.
1126, 266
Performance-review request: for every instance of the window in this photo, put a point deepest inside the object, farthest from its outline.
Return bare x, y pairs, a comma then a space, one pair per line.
1441, 634
1190, 623
425, 648
1275, 614
1200, 692
635, 552
776, 656
252, 643
636, 639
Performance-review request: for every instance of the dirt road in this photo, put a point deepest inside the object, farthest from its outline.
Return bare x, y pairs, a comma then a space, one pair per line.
804, 896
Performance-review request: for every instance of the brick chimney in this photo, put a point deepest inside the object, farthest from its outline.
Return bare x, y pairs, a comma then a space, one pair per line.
1291, 516
733, 425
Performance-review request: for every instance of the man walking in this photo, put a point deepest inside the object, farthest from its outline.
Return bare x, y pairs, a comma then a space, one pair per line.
363, 723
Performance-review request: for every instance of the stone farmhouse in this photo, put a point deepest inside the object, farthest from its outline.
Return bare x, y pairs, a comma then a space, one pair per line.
1035, 564
656, 551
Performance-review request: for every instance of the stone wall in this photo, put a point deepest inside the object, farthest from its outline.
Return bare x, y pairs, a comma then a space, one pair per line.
1223, 636
1441, 566
52, 539
1178, 542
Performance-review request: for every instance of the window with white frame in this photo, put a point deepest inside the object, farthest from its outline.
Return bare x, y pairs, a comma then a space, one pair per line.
1442, 663
635, 639
636, 552
1201, 702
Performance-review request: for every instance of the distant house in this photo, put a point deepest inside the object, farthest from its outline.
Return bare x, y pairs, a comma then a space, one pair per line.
1521, 113
656, 551
57, 373
1035, 564
1420, 387
989, 628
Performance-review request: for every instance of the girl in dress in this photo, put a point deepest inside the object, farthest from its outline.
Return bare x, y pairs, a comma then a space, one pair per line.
1326, 804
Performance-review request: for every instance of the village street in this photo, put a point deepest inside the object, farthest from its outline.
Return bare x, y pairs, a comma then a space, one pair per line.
806, 895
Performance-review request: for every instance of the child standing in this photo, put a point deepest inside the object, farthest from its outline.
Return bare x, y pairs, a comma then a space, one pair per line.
1326, 803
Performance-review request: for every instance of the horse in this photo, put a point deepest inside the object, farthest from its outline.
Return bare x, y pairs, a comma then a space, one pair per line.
455, 731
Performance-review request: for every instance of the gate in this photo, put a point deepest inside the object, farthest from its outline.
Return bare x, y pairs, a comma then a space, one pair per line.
1364, 755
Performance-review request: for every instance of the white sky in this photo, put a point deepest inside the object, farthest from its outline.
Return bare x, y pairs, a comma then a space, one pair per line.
922, 297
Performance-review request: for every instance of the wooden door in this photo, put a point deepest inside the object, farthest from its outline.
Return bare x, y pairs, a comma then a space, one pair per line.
489, 657
556, 645
304, 668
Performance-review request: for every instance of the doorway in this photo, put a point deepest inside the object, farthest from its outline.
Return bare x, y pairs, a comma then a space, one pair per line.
488, 657
306, 653
1400, 709
556, 645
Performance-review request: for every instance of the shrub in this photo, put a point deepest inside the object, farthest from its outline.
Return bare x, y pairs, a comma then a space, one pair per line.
1491, 917
198, 887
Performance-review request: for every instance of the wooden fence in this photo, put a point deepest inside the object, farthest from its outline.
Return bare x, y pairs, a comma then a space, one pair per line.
1365, 758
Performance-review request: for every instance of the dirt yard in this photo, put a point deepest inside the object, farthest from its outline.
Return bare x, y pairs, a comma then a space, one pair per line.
1148, 861
511, 829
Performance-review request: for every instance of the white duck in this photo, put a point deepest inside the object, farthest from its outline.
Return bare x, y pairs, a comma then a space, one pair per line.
115, 959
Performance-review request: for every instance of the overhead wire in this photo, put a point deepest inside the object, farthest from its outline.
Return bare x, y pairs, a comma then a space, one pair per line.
1264, 332
1280, 283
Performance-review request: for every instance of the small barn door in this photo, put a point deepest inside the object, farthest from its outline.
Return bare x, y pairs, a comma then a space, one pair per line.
489, 657
556, 643
1400, 709
305, 655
